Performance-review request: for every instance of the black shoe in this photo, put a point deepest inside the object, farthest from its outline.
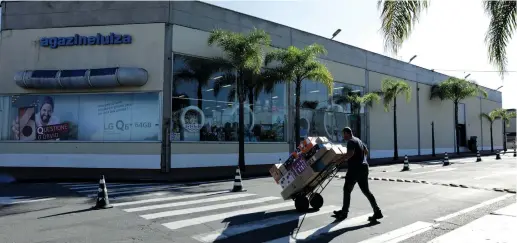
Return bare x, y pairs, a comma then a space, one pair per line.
376, 215
340, 215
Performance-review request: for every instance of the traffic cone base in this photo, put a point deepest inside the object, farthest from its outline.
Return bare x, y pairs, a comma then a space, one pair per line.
478, 157
102, 201
498, 155
406, 164
446, 160
237, 182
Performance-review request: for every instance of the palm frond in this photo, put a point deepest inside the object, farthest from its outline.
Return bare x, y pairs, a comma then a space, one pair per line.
370, 98
503, 21
391, 88
505, 115
398, 20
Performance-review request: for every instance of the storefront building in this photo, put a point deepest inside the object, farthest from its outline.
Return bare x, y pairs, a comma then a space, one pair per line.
117, 90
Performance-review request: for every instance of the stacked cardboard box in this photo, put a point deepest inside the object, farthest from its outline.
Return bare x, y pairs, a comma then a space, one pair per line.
313, 155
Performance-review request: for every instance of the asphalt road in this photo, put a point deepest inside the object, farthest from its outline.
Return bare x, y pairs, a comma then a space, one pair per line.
207, 212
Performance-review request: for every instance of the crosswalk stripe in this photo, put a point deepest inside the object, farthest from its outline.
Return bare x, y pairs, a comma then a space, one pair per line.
206, 208
401, 234
204, 219
316, 232
230, 231
485, 203
170, 205
171, 198
94, 187
117, 188
141, 190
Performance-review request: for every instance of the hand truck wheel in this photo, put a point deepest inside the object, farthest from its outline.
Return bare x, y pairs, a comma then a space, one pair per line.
301, 203
316, 201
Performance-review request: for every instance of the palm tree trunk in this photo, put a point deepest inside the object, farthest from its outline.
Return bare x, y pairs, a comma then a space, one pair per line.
491, 139
200, 96
504, 136
297, 114
456, 127
395, 139
240, 95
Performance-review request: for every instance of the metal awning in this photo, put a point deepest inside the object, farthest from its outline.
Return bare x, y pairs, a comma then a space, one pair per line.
81, 78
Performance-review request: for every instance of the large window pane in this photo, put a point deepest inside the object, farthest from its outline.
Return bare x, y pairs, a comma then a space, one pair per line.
205, 108
84, 117
323, 115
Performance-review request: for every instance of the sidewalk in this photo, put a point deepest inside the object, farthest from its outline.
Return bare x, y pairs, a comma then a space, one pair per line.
423, 158
498, 226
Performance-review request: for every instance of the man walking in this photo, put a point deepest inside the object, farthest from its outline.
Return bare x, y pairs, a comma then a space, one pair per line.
357, 173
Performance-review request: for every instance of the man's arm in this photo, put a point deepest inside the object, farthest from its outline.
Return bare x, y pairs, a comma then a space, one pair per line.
350, 150
365, 150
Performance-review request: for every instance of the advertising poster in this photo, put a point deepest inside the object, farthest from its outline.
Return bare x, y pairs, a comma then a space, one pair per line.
107, 117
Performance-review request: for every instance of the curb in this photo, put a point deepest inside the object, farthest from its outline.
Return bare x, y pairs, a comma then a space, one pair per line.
507, 190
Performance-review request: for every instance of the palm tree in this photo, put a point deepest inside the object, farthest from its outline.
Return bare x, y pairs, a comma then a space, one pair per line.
356, 101
244, 52
390, 89
200, 71
399, 18
491, 117
505, 116
295, 66
456, 89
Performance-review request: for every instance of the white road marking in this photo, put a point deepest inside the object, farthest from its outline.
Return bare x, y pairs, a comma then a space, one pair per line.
485, 203
433, 171
209, 218
496, 174
120, 188
171, 198
170, 205
94, 187
487, 229
140, 190
510, 210
268, 222
401, 234
206, 208
316, 232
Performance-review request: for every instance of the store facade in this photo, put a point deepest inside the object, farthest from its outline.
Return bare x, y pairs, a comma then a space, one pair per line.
109, 93
82, 97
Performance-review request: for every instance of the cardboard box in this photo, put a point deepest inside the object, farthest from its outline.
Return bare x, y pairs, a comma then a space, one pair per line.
318, 166
276, 172
287, 179
318, 140
332, 155
298, 183
319, 153
299, 166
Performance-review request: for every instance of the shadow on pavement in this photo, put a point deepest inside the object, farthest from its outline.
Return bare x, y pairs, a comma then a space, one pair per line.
71, 212
261, 234
323, 234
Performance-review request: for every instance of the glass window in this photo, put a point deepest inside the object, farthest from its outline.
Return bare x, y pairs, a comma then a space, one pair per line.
323, 115
205, 108
83, 117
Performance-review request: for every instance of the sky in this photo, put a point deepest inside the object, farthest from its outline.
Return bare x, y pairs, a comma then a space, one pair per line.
449, 36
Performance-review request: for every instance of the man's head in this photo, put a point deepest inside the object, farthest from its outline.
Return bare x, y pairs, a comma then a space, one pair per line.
46, 109
347, 133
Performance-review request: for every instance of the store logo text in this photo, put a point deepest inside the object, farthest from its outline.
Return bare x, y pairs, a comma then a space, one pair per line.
80, 40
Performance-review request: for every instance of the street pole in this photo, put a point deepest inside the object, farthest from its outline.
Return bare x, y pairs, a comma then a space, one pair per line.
432, 138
